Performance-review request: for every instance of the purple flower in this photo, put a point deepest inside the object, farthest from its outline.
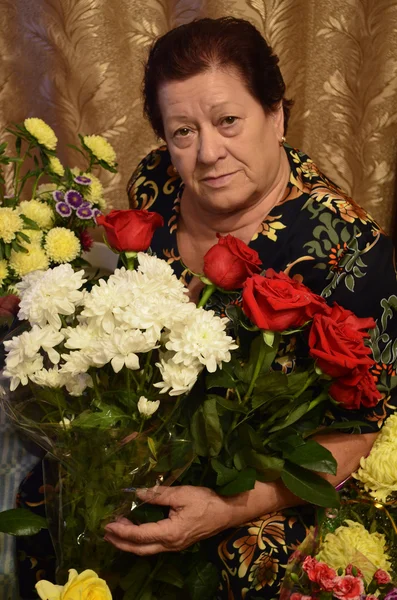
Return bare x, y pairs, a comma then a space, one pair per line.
58, 195
392, 595
83, 180
85, 204
84, 212
96, 213
63, 209
74, 198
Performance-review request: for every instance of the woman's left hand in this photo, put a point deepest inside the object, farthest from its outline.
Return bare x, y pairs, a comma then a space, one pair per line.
195, 513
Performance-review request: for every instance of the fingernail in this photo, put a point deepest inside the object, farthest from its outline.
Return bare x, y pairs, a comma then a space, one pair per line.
131, 489
108, 528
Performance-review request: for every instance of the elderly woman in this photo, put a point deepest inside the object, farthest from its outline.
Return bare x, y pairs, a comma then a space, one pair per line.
213, 91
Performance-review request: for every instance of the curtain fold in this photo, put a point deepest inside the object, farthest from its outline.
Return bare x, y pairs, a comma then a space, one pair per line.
78, 65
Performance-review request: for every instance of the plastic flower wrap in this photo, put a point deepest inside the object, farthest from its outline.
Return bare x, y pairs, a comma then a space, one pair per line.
47, 225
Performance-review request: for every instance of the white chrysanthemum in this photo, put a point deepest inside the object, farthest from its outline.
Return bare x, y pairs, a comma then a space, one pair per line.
29, 280
56, 293
75, 363
51, 378
41, 132
103, 302
23, 358
82, 337
177, 379
147, 407
77, 384
201, 337
122, 348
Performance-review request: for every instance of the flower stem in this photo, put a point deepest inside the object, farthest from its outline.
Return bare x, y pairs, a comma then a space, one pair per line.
36, 183
207, 293
259, 363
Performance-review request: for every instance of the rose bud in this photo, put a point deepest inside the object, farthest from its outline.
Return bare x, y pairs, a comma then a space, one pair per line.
130, 230
228, 264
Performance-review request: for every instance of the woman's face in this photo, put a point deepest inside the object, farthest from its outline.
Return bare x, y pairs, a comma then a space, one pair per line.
224, 146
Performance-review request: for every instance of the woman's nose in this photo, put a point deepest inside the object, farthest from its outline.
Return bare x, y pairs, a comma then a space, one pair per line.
211, 147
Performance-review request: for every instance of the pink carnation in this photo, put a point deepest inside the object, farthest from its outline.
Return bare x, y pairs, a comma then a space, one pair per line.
348, 587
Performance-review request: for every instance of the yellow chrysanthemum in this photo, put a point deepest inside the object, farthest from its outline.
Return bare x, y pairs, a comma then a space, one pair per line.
61, 245
353, 544
55, 166
42, 132
35, 259
10, 224
101, 148
44, 188
378, 472
40, 212
3, 271
35, 237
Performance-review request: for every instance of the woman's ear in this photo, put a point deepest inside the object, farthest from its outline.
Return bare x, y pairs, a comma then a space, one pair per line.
277, 115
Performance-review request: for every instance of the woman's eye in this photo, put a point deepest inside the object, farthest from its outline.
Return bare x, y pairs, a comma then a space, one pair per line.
182, 132
229, 120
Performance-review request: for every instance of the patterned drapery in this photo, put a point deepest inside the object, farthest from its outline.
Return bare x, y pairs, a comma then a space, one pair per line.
78, 65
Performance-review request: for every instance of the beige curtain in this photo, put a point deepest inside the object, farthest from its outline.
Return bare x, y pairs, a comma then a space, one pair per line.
78, 65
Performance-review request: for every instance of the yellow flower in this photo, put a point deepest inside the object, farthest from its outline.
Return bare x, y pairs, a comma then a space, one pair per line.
353, 544
86, 586
61, 245
35, 259
55, 166
378, 472
100, 148
44, 188
10, 224
42, 132
40, 212
35, 236
3, 271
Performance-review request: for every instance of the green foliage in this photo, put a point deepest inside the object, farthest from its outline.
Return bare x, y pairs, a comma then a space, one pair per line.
20, 521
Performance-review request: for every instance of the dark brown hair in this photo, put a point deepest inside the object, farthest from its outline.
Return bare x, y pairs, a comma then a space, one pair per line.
207, 43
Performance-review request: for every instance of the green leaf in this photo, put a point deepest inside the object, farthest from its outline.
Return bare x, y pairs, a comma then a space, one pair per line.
263, 462
244, 481
102, 419
197, 429
294, 416
221, 378
170, 574
309, 486
232, 405
136, 577
213, 429
202, 581
224, 474
20, 521
314, 457
268, 336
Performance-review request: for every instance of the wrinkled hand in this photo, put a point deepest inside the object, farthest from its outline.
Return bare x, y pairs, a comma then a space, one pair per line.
195, 513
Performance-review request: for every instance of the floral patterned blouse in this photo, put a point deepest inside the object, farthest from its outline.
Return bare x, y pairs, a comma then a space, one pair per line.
316, 234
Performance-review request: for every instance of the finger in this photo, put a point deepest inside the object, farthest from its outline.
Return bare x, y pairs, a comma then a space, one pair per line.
139, 549
159, 494
141, 534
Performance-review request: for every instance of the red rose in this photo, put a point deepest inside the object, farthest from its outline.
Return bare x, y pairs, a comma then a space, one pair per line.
228, 264
336, 341
348, 588
9, 306
278, 302
355, 390
381, 577
130, 230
